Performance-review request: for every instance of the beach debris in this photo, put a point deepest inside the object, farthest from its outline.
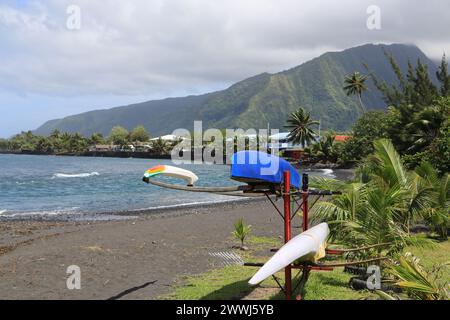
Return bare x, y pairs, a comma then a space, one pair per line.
94, 248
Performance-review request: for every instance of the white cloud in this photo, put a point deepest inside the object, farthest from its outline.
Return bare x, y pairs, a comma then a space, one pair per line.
143, 47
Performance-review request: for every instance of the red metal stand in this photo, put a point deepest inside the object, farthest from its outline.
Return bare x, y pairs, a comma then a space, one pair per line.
286, 193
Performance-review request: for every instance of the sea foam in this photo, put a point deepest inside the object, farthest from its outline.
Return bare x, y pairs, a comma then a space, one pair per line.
75, 175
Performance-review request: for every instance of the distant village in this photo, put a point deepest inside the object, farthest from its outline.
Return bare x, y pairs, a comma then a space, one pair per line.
279, 142
138, 144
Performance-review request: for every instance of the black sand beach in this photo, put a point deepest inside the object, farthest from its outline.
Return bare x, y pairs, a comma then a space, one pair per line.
149, 252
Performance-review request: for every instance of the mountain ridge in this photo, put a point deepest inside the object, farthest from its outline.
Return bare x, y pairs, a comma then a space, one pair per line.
264, 98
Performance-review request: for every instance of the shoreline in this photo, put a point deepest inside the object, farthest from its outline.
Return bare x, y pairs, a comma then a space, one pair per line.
149, 155
95, 154
156, 212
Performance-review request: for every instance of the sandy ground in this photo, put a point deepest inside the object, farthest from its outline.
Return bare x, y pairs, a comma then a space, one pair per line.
140, 258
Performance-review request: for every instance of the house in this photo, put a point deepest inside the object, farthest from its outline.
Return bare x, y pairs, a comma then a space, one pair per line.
101, 148
168, 138
341, 138
280, 141
142, 147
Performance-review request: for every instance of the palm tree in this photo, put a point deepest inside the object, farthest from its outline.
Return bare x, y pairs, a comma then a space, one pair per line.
437, 214
55, 134
418, 282
65, 140
78, 143
55, 138
425, 125
381, 209
97, 138
299, 124
324, 148
355, 85
160, 146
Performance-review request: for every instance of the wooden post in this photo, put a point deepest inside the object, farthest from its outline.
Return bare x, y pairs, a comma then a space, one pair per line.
287, 231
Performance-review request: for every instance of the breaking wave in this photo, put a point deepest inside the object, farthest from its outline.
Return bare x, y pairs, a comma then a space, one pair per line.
75, 175
327, 171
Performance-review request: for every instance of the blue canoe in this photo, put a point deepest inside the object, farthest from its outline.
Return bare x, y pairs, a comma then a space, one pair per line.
255, 167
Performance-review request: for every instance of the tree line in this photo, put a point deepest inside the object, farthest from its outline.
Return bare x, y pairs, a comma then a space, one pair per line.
66, 142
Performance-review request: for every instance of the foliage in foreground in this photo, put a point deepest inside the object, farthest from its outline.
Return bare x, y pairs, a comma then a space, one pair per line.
418, 283
382, 207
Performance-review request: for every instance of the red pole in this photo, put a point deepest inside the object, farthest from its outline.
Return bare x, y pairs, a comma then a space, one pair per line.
287, 231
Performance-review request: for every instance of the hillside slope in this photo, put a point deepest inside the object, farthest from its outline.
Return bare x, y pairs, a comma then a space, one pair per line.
315, 85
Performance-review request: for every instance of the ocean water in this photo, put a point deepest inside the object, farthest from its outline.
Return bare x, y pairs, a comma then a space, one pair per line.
70, 187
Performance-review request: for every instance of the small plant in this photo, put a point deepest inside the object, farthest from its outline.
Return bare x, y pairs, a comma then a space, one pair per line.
241, 230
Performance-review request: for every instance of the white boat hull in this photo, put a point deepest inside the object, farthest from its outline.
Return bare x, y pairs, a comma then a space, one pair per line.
307, 246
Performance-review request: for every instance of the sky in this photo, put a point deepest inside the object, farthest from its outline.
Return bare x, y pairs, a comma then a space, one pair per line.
60, 57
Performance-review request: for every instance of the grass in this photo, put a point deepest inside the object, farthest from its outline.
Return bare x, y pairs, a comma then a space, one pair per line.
230, 282
259, 241
430, 257
221, 284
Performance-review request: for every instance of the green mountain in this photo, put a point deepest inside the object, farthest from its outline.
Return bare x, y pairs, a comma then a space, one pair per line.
315, 85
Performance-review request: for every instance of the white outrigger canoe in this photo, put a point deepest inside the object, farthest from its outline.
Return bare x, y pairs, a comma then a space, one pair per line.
307, 246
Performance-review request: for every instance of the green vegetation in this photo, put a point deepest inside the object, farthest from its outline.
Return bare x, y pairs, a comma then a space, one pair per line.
371, 126
139, 134
355, 85
56, 142
299, 125
119, 135
241, 230
231, 282
381, 208
326, 149
387, 201
160, 146
74, 143
430, 258
226, 283
417, 282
